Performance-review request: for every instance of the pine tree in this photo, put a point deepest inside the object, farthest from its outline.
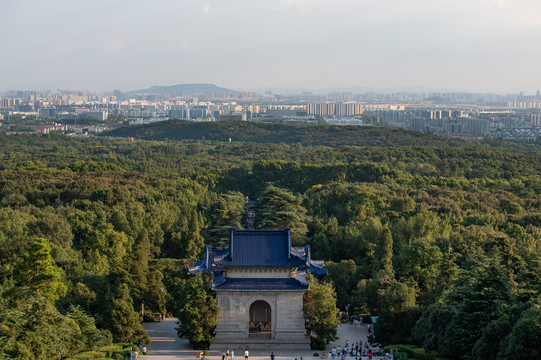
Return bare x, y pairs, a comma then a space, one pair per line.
139, 264
32, 328
125, 322
481, 296
193, 241
155, 293
524, 341
279, 209
386, 250
199, 313
39, 273
92, 336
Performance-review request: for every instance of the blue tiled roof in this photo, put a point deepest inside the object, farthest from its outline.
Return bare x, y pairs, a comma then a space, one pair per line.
252, 248
261, 284
260, 248
314, 269
208, 265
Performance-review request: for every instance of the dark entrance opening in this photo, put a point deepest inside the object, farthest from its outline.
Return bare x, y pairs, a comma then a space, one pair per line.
260, 317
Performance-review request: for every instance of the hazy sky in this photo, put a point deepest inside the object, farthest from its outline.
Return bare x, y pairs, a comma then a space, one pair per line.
463, 45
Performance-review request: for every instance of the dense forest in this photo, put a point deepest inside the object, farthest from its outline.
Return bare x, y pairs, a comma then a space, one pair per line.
439, 238
264, 132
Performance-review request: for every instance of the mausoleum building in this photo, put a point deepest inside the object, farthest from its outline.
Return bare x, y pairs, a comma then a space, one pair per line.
260, 280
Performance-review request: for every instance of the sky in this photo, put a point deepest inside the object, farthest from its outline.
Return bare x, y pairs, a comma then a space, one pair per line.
457, 45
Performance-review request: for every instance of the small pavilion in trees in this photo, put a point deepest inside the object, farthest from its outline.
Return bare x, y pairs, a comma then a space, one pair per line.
260, 280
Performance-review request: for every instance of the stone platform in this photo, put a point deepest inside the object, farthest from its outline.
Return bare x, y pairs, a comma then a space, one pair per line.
261, 344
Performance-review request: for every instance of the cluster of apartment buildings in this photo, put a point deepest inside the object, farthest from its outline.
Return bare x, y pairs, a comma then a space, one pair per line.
518, 119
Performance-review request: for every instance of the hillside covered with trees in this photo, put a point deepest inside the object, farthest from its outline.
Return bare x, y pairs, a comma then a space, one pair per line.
259, 132
439, 238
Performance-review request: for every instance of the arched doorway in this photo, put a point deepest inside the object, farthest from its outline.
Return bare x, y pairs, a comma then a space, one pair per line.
260, 317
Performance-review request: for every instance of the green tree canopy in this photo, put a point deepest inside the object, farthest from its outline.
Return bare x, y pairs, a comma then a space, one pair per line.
32, 328
321, 312
278, 209
193, 241
125, 322
39, 273
198, 310
524, 341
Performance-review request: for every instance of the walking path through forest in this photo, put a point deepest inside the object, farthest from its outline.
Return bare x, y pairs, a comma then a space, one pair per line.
167, 346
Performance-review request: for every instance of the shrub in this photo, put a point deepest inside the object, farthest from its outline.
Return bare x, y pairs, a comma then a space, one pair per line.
90, 355
414, 352
317, 344
111, 350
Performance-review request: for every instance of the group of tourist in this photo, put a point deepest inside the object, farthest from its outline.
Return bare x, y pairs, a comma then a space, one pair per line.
356, 350
134, 353
230, 355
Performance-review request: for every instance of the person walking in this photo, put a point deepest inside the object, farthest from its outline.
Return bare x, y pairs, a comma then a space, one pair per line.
272, 355
246, 354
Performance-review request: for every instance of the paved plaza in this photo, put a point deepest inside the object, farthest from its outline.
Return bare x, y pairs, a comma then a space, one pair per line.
167, 346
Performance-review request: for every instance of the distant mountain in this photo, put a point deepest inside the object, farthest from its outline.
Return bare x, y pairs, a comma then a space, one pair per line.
184, 90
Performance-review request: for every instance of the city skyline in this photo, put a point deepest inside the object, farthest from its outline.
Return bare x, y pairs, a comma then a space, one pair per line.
466, 46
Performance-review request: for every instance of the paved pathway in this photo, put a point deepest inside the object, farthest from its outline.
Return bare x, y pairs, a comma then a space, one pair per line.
167, 346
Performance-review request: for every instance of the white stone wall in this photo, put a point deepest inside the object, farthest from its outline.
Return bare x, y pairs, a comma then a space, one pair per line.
286, 313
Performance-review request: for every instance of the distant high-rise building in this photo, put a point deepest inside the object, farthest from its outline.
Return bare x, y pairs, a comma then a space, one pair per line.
46, 113
345, 109
233, 116
417, 124
179, 113
536, 119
